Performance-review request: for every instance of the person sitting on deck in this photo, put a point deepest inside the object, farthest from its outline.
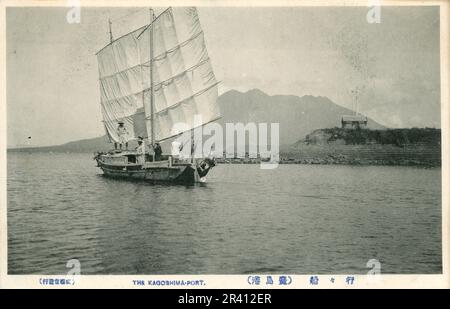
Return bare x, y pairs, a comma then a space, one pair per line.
158, 151
122, 133
140, 151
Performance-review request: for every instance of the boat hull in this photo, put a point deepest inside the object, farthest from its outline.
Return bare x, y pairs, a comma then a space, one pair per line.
175, 174
124, 165
160, 171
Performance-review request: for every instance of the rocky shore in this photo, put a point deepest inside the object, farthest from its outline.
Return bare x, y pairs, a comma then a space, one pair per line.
407, 155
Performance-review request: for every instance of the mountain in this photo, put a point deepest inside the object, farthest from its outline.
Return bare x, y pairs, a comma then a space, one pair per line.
297, 117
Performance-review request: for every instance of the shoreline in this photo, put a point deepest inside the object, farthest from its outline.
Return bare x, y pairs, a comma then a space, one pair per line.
329, 154
327, 162
372, 154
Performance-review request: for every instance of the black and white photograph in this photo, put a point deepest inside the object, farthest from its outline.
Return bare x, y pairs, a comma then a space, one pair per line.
193, 144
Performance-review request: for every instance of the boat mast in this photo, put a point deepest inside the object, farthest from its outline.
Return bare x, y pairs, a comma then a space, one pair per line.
110, 31
152, 137
110, 41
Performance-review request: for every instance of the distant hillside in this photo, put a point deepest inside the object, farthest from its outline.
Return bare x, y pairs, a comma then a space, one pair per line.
297, 117
85, 145
416, 146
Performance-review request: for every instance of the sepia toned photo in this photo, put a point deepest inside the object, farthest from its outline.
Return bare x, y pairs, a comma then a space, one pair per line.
269, 145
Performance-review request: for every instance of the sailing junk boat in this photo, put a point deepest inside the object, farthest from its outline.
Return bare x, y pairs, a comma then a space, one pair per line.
150, 79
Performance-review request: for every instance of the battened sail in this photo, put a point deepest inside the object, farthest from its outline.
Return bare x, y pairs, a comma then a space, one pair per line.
184, 84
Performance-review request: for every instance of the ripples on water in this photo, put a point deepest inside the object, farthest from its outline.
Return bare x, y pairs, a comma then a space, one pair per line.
294, 219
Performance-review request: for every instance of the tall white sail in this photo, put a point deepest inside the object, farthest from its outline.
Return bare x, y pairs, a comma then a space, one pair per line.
184, 84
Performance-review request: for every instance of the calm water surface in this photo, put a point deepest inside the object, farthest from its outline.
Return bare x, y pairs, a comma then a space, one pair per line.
293, 219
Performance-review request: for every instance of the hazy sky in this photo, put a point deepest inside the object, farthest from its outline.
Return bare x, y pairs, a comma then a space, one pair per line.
52, 75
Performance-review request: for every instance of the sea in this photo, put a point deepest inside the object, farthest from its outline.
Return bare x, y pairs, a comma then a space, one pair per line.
296, 219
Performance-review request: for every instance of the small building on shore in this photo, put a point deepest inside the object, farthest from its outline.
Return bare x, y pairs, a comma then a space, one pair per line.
354, 122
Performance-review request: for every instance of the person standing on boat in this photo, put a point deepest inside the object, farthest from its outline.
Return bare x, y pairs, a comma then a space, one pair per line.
140, 151
176, 149
122, 133
158, 151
